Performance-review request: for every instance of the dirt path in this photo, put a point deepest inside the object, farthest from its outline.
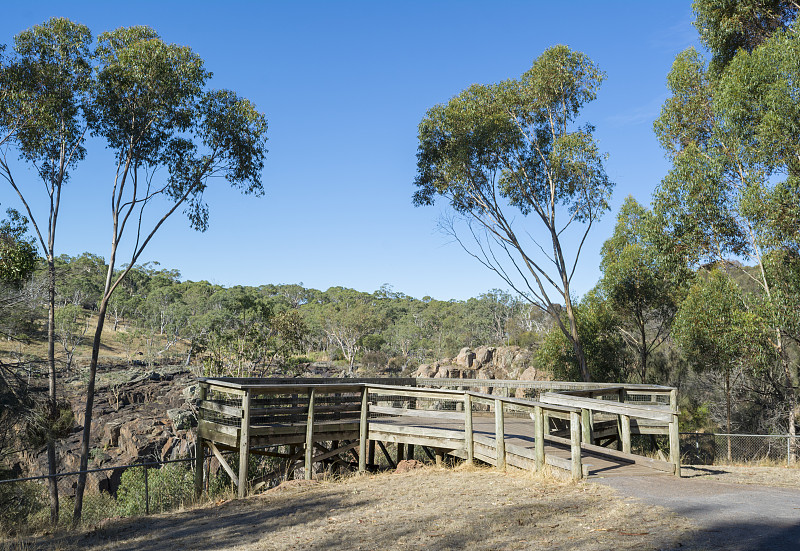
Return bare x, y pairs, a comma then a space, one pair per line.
476, 509
735, 508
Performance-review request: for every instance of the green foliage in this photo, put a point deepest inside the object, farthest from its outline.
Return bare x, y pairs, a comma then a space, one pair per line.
169, 487
603, 346
516, 146
17, 250
727, 26
42, 428
20, 501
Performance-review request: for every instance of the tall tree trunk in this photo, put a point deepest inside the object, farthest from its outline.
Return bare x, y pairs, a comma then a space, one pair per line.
90, 387
52, 482
575, 339
87, 418
728, 410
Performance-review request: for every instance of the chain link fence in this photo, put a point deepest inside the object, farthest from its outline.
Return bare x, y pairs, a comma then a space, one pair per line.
750, 449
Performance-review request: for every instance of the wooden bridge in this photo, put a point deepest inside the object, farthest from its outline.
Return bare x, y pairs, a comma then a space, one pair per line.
581, 428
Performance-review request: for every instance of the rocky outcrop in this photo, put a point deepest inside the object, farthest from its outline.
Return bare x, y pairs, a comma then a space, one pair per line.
485, 362
138, 417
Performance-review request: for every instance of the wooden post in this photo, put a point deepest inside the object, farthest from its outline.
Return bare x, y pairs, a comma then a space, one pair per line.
439, 457
199, 448
675, 445
575, 444
626, 433
586, 425
363, 431
500, 434
370, 453
401, 452
244, 444
539, 442
468, 435
409, 451
309, 460
674, 435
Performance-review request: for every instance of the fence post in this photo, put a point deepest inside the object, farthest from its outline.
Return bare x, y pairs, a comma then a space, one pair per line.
363, 433
244, 444
309, 459
539, 441
626, 434
468, 442
575, 444
199, 451
500, 434
674, 435
586, 425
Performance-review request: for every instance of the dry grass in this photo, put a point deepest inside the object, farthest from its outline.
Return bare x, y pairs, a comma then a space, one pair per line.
446, 509
762, 476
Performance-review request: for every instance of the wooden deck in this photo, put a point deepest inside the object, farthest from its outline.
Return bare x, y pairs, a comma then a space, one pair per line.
311, 421
519, 444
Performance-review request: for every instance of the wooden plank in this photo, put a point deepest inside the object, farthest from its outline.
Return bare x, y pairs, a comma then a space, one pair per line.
520, 404
219, 427
302, 410
616, 455
646, 412
454, 416
300, 428
447, 443
418, 393
224, 464
244, 445
210, 405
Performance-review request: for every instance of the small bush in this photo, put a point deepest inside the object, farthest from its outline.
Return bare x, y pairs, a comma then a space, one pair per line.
19, 501
169, 487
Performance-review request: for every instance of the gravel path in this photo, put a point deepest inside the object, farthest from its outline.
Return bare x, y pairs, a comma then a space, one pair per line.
730, 516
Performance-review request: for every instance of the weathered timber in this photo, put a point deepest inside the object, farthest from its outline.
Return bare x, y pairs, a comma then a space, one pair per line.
387, 410
500, 434
363, 431
468, 430
656, 413
244, 445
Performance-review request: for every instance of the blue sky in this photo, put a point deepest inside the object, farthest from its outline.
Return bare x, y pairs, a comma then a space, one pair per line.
344, 86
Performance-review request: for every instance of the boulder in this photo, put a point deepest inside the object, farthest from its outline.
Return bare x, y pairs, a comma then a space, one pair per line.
182, 419
483, 355
465, 358
408, 465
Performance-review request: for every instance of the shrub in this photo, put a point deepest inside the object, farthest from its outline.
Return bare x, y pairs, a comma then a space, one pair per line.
19, 501
169, 487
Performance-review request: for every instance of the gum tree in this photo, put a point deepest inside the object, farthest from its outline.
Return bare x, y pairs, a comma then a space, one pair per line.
43, 94
732, 134
152, 108
499, 151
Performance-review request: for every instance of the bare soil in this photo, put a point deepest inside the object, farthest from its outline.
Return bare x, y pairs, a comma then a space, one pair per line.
466, 508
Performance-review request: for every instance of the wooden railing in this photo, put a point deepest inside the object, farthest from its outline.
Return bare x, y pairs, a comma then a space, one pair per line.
247, 415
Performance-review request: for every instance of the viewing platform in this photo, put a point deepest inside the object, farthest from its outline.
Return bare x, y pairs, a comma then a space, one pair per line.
583, 429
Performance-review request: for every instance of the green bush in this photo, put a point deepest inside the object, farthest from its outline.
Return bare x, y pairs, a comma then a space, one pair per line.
169, 487
19, 501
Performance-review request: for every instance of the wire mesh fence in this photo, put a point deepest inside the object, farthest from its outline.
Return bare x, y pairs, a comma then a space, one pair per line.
138, 489
752, 449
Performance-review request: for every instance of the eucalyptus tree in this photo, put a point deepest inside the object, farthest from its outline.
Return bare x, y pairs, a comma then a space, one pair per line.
732, 135
641, 289
152, 108
44, 90
515, 148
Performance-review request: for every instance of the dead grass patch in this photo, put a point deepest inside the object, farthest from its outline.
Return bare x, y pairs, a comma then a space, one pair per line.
466, 508
762, 476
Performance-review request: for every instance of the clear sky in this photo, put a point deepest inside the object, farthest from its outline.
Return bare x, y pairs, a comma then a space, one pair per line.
344, 85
